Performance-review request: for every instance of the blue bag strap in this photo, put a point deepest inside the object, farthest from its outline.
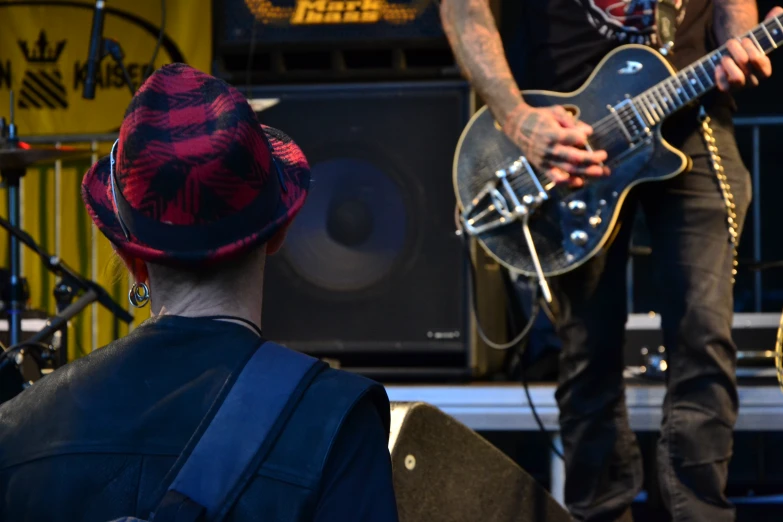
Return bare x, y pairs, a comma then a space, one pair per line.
239, 436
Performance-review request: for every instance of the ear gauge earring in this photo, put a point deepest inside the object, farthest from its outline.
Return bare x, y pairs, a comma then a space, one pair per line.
139, 295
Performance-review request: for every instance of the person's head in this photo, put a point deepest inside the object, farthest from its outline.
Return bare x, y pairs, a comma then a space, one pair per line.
196, 192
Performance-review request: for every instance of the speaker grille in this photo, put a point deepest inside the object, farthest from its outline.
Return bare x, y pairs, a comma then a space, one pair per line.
372, 272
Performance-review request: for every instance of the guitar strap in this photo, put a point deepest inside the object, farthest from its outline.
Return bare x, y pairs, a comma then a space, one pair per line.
668, 15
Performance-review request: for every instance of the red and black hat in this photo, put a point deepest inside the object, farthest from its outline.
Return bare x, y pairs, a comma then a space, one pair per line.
193, 177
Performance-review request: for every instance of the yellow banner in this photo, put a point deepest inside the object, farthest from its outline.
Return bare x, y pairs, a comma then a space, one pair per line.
44, 47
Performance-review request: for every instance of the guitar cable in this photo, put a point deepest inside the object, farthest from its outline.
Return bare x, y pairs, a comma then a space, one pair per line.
474, 297
535, 308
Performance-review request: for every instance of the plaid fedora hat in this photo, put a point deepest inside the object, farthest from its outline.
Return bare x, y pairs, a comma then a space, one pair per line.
194, 178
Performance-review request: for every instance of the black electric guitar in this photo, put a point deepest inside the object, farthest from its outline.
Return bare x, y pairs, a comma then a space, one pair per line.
534, 227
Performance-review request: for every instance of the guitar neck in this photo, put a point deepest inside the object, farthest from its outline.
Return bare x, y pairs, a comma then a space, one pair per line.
697, 79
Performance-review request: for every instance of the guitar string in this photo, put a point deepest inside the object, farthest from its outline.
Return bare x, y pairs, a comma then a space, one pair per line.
608, 124
658, 98
605, 131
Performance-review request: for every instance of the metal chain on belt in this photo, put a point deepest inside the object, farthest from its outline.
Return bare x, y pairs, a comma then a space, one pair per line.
728, 199
725, 188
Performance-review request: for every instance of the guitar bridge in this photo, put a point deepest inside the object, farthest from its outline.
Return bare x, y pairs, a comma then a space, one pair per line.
498, 204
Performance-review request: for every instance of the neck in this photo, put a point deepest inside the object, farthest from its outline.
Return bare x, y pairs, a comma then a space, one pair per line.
234, 289
204, 304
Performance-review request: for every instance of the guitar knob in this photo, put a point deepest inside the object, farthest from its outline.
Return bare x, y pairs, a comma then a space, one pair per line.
579, 237
577, 207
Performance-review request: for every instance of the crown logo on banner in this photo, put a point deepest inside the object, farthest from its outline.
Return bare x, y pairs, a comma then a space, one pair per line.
41, 52
42, 85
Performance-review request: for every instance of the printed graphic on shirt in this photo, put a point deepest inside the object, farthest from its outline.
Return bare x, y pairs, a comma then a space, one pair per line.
626, 21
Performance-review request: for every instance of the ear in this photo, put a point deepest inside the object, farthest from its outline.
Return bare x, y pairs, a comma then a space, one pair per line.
136, 267
276, 241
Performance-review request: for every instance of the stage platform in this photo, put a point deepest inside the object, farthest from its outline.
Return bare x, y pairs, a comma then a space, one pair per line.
495, 407
504, 407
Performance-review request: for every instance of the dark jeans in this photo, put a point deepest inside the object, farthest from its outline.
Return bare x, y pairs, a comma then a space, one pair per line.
693, 260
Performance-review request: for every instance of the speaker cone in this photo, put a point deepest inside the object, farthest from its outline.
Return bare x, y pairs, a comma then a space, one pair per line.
352, 228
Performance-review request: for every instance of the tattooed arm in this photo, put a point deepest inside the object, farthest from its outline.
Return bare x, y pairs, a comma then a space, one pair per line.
733, 19
549, 138
474, 37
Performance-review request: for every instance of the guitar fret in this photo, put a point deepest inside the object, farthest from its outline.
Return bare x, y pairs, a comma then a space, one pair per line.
753, 37
653, 105
665, 99
650, 120
769, 36
707, 79
690, 83
711, 60
766, 44
698, 87
775, 29
676, 101
777, 21
656, 103
671, 86
682, 92
679, 90
649, 106
696, 77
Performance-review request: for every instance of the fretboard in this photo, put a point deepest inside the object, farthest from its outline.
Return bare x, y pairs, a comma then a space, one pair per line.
698, 78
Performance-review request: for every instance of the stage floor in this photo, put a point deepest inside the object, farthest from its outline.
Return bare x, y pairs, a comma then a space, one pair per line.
504, 407
495, 407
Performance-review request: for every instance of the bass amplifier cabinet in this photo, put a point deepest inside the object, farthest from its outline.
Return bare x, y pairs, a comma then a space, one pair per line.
372, 274
278, 41
444, 471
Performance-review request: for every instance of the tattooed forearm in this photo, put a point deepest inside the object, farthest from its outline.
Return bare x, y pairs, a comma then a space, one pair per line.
734, 18
473, 35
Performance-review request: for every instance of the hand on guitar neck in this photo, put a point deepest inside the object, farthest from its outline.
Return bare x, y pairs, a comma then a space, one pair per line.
556, 144
746, 64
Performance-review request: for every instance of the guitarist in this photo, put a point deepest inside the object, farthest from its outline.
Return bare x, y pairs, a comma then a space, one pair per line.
562, 42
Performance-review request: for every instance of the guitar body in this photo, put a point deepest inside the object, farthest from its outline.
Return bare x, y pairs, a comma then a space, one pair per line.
572, 225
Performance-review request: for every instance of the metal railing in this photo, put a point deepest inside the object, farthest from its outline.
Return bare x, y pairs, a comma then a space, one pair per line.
755, 124
63, 139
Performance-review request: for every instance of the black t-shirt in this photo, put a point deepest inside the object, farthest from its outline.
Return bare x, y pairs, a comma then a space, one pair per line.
556, 44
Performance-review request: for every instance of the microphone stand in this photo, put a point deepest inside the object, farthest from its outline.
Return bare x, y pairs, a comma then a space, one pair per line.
11, 179
112, 48
68, 286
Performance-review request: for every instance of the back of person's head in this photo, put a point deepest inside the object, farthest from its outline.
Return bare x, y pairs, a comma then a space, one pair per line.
195, 191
